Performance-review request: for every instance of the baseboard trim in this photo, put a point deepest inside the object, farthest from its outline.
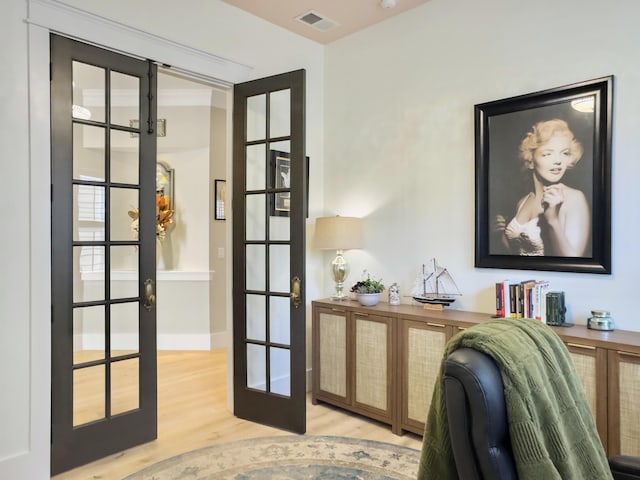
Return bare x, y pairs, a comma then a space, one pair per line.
219, 340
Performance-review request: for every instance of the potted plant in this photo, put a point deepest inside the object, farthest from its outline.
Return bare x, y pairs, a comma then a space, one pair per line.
368, 291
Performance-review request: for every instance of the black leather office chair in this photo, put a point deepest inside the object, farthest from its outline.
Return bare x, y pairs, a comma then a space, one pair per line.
479, 430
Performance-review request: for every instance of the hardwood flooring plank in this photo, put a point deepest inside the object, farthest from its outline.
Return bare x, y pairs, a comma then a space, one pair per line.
193, 413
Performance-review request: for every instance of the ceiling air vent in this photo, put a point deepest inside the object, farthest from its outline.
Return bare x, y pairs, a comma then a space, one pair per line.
317, 21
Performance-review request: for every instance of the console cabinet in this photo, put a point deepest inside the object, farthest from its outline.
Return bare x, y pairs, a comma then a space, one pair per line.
352, 361
383, 362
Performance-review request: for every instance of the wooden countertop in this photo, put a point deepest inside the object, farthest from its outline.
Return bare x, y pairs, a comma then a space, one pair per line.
617, 339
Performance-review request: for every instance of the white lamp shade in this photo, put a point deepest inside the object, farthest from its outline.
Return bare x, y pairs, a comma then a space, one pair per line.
338, 233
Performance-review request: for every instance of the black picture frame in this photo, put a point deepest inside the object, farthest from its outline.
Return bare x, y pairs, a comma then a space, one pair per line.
280, 165
219, 199
503, 178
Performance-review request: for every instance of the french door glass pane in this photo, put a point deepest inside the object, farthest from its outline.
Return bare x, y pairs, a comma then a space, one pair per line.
125, 377
256, 317
256, 267
125, 99
123, 201
125, 157
280, 165
255, 216
256, 167
279, 257
256, 367
88, 152
256, 117
89, 400
88, 213
125, 328
88, 273
280, 113
88, 92
124, 271
88, 334
279, 320
282, 146
280, 370
279, 227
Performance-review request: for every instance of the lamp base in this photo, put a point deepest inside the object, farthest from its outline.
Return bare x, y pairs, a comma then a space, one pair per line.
341, 296
340, 270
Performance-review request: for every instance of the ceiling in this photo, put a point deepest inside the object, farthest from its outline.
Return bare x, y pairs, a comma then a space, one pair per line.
349, 15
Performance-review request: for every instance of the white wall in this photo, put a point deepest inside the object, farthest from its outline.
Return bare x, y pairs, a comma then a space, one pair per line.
400, 138
186, 245
185, 149
14, 243
218, 228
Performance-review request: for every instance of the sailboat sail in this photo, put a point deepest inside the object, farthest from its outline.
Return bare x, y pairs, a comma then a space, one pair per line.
435, 285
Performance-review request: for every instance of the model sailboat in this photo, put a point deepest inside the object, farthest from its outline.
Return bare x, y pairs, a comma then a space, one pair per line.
435, 286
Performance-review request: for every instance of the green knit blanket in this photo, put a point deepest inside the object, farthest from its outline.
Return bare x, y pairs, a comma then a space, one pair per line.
553, 433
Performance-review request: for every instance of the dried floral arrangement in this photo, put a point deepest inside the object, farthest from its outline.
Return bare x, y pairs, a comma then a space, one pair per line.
164, 217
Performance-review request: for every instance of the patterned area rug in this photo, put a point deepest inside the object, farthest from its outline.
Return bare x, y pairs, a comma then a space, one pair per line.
300, 457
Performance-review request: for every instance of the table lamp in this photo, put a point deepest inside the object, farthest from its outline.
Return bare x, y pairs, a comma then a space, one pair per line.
339, 234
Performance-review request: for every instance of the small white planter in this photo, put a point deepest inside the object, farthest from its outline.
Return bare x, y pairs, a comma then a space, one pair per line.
368, 299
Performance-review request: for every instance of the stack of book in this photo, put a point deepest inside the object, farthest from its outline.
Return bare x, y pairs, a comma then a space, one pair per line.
522, 299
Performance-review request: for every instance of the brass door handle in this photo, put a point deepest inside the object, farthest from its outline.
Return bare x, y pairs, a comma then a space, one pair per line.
295, 292
149, 294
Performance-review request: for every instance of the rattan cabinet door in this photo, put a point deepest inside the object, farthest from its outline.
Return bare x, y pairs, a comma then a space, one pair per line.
624, 408
591, 366
372, 365
422, 349
330, 355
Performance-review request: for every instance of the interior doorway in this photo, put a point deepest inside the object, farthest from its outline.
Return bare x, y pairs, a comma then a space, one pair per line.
192, 255
191, 244
192, 272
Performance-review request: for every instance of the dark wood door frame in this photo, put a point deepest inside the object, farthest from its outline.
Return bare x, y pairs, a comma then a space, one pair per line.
265, 407
71, 445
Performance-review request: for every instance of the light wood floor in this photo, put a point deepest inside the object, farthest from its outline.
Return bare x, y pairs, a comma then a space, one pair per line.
193, 413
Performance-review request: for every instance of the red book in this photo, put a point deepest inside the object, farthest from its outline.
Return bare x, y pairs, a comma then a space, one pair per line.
500, 299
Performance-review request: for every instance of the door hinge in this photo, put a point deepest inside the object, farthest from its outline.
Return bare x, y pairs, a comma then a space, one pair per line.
150, 96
